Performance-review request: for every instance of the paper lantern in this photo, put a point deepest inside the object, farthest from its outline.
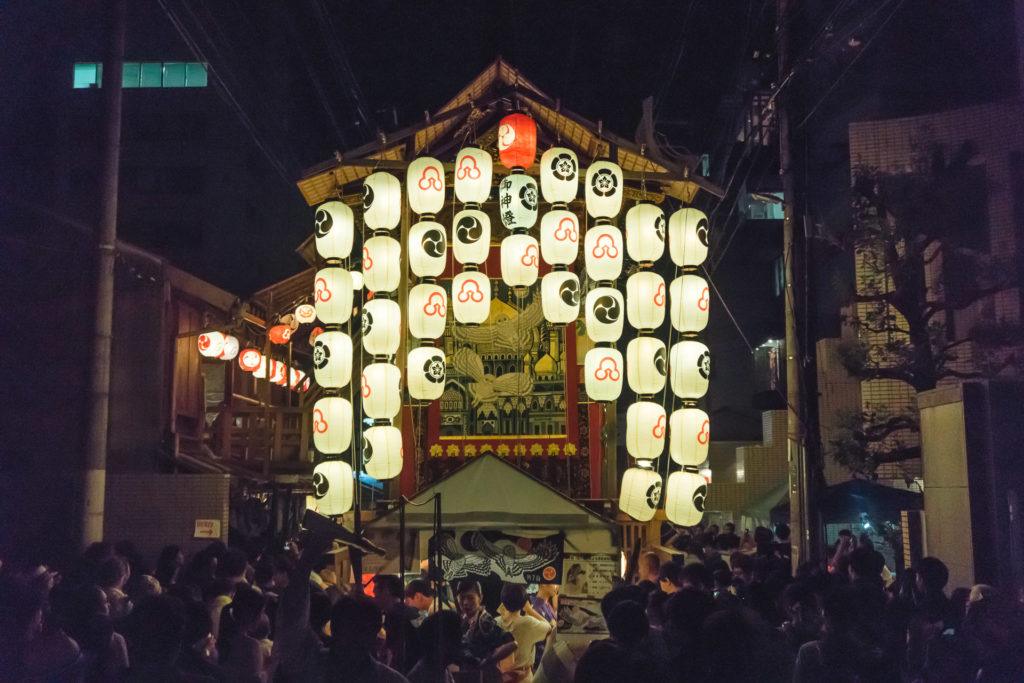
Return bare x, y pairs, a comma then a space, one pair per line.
332, 425
428, 311
560, 297
357, 279
603, 373
382, 452
230, 349
689, 300
645, 233
296, 379
471, 297
646, 428
640, 493
517, 201
602, 252
473, 168
334, 230
280, 334
425, 371
471, 236
684, 498
211, 344
306, 313
381, 327
559, 175
689, 433
332, 294
517, 141
603, 191
559, 237
646, 365
428, 249
381, 389
382, 201
332, 359
689, 369
688, 237
332, 488
604, 314
425, 184
382, 263
250, 360
520, 260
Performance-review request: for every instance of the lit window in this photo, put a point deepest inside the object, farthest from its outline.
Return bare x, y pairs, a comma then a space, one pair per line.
174, 74
195, 75
145, 75
130, 74
152, 74
88, 75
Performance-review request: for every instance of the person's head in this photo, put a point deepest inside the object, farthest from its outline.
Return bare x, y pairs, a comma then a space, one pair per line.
742, 566
247, 607
621, 594
799, 603
283, 566
669, 577
547, 591
387, 590
723, 579
441, 628
355, 622
263, 573
685, 611
513, 597
470, 597
932, 575
650, 564
157, 627
627, 623
866, 563
695, 575
729, 528
980, 592
169, 563
714, 530
762, 535
782, 532
233, 564
112, 572
419, 594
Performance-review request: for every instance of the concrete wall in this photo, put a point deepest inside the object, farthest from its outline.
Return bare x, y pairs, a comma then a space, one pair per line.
765, 467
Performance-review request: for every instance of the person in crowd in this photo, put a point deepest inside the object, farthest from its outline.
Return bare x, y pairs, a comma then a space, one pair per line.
439, 646
111, 575
527, 628
696, 576
156, 630
685, 612
233, 566
84, 614
801, 615
420, 596
217, 595
169, 564
33, 645
545, 602
199, 656
670, 577
241, 651
401, 644
481, 635
629, 631
980, 592
648, 567
728, 539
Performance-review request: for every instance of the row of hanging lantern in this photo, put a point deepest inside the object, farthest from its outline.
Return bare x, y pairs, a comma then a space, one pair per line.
218, 345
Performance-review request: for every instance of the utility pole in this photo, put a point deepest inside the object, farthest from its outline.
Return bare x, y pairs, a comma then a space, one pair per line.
95, 471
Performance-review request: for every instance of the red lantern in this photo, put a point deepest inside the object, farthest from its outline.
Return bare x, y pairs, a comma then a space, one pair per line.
250, 360
517, 141
314, 333
280, 334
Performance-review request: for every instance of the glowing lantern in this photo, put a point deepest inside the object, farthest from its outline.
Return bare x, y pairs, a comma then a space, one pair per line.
473, 168
334, 230
211, 344
332, 292
305, 313
645, 300
425, 184
559, 175
559, 237
382, 327
428, 311
332, 359
603, 373
689, 433
517, 201
471, 297
332, 425
314, 333
381, 390
688, 237
602, 252
357, 279
640, 493
689, 300
520, 260
332, 488
646, 365
604, 314
560, 297
645, 233
382, 201
279, 334
382, 452
690, 367
517, 141
426, 370
471, 236
230, 348
250, 360
603, 191
684, 498
646, 428
382, 264
428, 249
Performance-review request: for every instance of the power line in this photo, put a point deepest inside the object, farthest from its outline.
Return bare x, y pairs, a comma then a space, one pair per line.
337, 54
675, 65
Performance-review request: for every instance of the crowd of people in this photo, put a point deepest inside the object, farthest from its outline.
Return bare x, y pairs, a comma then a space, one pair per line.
718, 607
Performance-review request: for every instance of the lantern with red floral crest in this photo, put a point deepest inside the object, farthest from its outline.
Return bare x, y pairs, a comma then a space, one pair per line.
517, 141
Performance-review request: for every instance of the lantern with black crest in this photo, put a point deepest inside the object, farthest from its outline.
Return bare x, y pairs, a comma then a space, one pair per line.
333, 484
640, 492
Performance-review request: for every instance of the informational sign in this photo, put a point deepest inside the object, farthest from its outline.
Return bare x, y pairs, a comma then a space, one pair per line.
514, 559
207, 528
588, 575
578, 615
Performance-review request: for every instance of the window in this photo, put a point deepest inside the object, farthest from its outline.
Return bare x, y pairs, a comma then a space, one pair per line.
144, 75
174, 74
195, 75
130, 75
88, 74
152, 74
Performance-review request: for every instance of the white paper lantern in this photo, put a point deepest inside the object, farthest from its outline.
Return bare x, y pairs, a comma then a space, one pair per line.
381, 327
428, 311
334, 230
230, 349
559, 175
425, 371
646, 365
306, 313
640, 493
357, 279
473, 168
560, 297
428, 249
645, 233
332, 292
471, 236
517, 201
520, 260
602, 252
604, 314
689, 366
646, 428
603, 373
684, 498
382, 263
332, 359
471, 297
381, 389
332, 425
250, 360
559, 237
332, 488
382, 201
382, 452
689, 301
688, 237
645, 300
211, 344
424, 182
603, 189
689, 433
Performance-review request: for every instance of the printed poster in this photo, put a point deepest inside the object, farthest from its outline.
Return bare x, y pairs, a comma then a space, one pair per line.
514, 559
